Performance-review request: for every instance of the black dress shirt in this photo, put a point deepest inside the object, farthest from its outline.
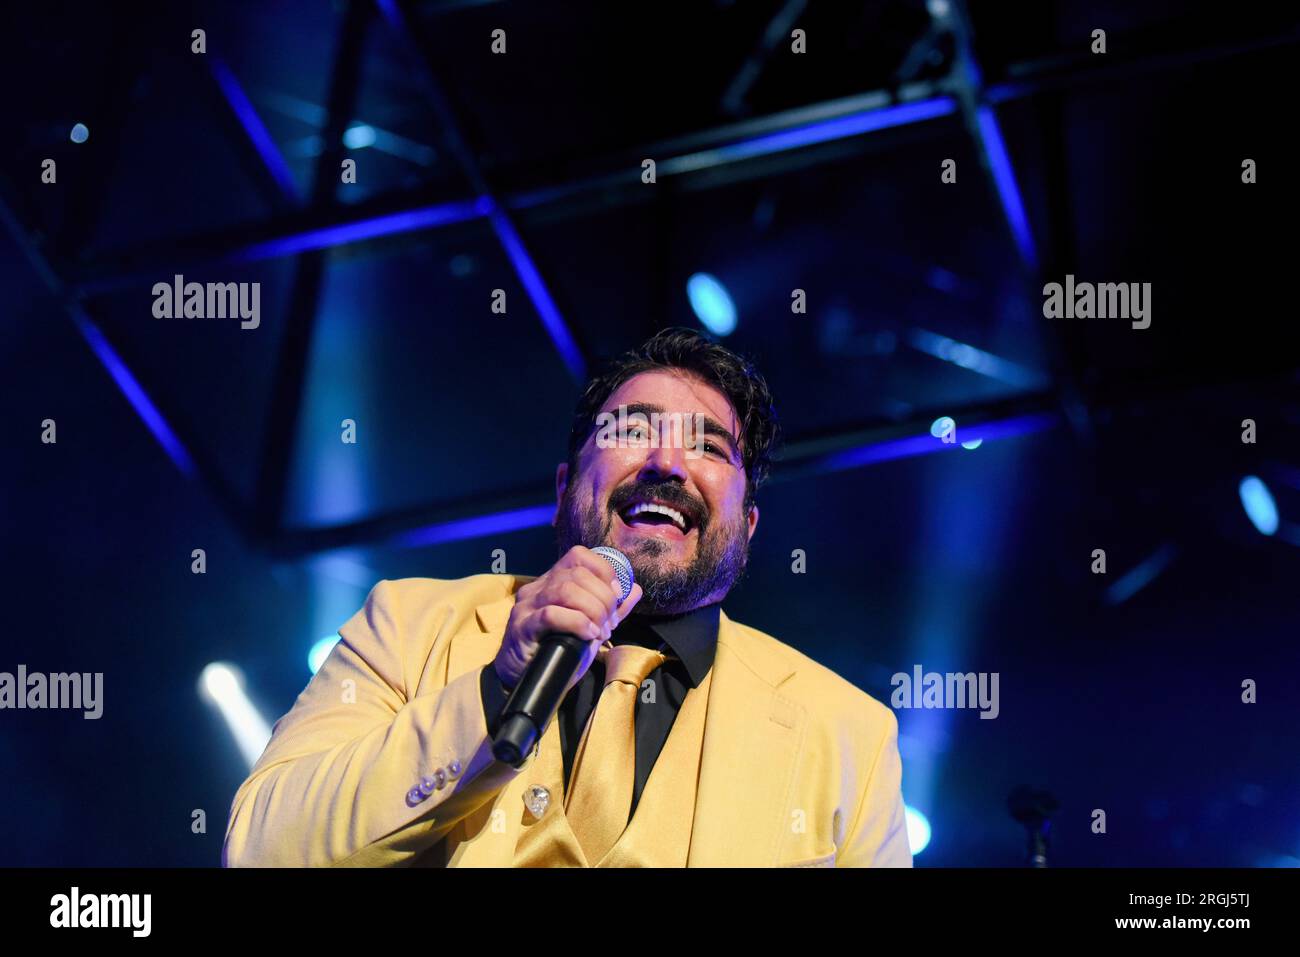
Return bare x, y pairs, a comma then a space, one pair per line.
690, 640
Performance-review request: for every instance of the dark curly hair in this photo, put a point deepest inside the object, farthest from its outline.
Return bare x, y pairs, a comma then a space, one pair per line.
731, 374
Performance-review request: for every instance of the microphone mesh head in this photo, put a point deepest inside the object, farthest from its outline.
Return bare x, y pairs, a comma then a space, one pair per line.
622, 567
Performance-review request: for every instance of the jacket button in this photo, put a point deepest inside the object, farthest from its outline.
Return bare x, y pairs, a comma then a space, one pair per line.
414, 796
429, 784
538, 799
453, 770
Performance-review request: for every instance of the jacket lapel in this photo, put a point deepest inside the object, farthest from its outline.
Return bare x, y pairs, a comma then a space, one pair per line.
752, 737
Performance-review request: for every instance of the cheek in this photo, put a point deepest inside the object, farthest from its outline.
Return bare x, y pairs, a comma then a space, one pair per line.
613, 468
724, 499
594, 491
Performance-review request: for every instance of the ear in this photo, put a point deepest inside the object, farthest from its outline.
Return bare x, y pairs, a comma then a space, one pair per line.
752, 519
561, 483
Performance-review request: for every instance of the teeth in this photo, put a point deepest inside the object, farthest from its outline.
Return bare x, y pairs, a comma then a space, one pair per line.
678, 518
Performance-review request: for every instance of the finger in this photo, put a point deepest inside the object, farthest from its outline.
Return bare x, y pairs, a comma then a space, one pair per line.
607, 592
581, 556
555, 619
568, 592
560, 592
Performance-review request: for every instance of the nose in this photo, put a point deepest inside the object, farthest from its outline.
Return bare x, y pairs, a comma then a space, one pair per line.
663, 460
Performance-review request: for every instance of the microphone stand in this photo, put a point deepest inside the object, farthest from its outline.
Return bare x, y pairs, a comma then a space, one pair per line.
1034, 809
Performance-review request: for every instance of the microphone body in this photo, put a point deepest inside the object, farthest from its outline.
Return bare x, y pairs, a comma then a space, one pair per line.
535, 700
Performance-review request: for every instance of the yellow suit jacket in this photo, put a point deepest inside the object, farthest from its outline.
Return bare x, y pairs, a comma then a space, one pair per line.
799, 767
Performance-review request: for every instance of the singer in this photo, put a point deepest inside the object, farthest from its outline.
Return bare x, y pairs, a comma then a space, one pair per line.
684, 739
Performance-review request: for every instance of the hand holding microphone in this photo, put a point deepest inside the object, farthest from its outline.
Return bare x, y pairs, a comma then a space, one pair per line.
556, 627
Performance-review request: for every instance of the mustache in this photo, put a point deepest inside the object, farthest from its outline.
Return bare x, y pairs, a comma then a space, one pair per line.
669, 493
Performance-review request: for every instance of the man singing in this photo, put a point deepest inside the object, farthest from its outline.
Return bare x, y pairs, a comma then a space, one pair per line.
685, 739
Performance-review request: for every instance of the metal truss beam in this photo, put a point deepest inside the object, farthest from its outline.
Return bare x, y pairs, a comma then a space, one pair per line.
410, 213
497, 215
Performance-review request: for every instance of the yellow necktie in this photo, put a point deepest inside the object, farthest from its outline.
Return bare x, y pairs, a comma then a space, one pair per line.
598, 803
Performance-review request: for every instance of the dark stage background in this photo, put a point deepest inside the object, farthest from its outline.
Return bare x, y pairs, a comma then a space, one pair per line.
776, 171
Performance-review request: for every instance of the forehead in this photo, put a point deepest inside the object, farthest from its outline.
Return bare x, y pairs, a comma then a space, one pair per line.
675, 390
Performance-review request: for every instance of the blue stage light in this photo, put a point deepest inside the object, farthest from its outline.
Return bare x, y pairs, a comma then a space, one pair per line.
388, 224
533, 516
711, 303
254, 128
1004, 178
320, 651
918, 830
819, 131
543, 302
1258, 502
144, 407
359, 137
1129, 584
79, 133
976, 360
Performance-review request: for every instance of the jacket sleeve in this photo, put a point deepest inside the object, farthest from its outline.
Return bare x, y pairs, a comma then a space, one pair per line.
878, 835
339, 781
495, 694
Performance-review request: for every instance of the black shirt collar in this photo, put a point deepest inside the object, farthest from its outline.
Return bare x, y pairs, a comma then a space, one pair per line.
691, 636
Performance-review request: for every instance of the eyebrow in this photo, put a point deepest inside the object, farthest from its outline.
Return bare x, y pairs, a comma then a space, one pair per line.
711, 426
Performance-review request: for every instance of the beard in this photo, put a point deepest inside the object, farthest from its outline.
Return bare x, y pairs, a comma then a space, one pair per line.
721, 553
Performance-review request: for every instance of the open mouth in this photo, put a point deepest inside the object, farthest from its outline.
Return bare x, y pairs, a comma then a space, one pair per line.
651, 516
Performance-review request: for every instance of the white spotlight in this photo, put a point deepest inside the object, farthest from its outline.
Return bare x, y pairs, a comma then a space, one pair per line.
918, 829
222, 686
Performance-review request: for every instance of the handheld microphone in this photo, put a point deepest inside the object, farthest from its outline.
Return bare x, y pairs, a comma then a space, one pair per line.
535, 700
